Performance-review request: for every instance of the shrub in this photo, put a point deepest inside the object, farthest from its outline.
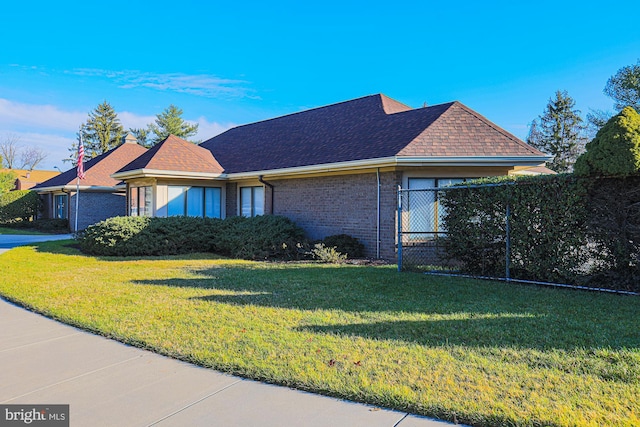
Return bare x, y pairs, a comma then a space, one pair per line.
327, 254
262, 237
53, 225
615, 151
21, 205
345, 244
111, 236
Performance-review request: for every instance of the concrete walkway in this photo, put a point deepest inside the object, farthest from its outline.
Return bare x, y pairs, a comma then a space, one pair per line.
107, 383
8, 241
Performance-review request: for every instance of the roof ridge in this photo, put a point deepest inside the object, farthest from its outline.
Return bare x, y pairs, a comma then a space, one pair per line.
322, 107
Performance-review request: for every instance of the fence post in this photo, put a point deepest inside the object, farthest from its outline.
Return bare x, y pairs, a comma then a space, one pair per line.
399, 228
508, 243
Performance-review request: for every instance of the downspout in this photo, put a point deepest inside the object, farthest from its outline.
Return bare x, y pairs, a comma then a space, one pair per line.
378, 217
262, 181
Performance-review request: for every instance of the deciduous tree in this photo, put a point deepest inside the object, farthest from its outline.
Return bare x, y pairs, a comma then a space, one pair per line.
624, 87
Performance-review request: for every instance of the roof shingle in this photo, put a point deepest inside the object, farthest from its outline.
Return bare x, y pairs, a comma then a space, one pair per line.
362, 129
98, 170
175, 154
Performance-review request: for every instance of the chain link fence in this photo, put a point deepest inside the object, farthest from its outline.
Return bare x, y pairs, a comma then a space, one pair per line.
421, 230
422, 236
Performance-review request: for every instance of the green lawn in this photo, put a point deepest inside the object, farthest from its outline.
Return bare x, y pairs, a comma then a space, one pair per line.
481, 353
6, 230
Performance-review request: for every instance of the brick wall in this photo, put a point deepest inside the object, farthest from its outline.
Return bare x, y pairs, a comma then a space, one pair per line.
231, 201
96, 207
347, 204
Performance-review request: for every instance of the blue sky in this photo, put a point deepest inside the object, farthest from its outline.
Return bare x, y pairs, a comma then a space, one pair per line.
233, 63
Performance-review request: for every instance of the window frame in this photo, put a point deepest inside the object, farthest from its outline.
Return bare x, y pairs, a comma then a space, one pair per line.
143, 200
435, 229
206, 192
60, 212
252, 200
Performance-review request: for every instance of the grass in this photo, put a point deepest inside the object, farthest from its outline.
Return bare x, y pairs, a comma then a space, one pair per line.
480, 353
20, 231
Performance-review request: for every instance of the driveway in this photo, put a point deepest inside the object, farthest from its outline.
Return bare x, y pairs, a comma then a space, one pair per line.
8, 241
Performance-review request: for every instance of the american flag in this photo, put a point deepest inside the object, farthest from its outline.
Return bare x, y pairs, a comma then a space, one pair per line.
80, 160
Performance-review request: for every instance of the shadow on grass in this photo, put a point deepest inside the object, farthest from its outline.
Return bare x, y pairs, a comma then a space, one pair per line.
72, 247
462, 311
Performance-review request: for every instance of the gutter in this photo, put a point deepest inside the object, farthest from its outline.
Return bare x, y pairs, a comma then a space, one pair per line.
262, 181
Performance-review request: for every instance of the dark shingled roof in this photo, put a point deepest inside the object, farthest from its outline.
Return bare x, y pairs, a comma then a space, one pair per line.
175, 154
99, 169
362, 129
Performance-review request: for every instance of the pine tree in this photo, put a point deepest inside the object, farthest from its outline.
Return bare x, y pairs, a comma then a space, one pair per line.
100, 133
559, 132
170, 122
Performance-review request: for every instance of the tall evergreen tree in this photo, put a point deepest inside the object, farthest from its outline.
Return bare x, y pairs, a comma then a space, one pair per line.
559, 132
170, 122
102, 131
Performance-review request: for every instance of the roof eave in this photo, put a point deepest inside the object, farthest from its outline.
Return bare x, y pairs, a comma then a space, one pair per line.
157, 173
469, 161
65, 188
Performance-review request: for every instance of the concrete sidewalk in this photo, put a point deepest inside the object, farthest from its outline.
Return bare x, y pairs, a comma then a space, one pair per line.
8, 241
107, 383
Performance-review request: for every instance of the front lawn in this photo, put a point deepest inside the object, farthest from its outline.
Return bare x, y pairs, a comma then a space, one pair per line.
21, 231
481, 353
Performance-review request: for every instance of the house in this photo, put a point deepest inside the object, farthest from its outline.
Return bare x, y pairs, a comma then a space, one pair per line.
333, 170
101, 196
26, 179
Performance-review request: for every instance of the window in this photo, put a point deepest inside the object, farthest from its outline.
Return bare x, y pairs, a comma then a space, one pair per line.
425, 214
194, 201
60, 206
251, 201
141, 201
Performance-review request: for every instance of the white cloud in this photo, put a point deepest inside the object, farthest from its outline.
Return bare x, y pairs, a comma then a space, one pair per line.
134, 121
208, 130
205, 85
55, 146
53, 129
39, 116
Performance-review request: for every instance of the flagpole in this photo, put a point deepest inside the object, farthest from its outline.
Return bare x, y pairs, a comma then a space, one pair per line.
80, 175
75, 229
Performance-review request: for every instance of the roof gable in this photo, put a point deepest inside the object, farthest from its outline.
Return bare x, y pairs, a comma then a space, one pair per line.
175, 154
98, 170
461, 132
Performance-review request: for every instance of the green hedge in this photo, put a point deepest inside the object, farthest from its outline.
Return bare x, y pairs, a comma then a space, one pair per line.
262, 237
20, 205
563, 229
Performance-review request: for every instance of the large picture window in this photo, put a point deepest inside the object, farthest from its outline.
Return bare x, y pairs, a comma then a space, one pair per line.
252, 201
141, 201
60, 206
194, 201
